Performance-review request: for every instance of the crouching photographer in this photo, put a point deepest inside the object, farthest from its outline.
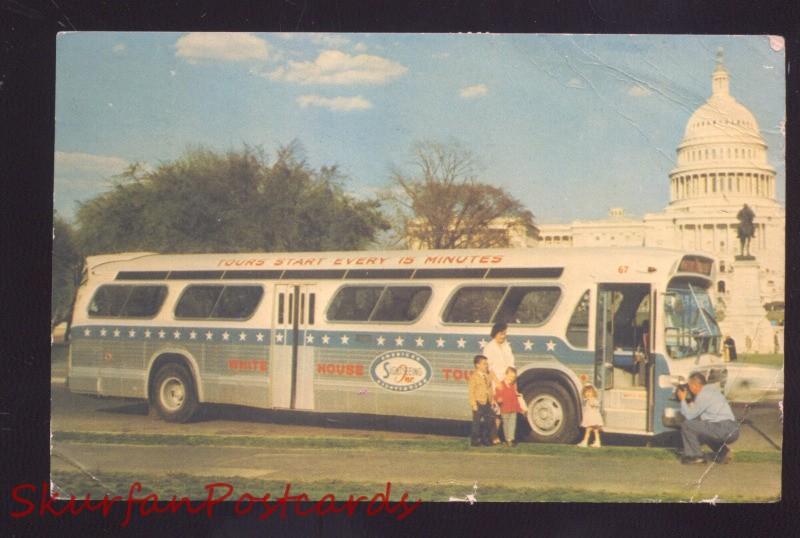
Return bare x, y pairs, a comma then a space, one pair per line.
709, 420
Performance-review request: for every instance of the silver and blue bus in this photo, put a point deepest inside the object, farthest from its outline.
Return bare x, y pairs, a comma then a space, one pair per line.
395, 332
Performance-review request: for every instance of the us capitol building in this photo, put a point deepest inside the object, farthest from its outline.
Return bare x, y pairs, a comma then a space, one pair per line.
721, 165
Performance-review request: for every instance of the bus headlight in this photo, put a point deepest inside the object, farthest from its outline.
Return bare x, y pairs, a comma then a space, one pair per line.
671, 418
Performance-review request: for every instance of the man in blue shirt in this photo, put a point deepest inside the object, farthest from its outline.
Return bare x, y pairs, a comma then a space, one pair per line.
709, 419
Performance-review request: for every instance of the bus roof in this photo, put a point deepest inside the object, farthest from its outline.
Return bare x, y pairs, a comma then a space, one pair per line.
595, 260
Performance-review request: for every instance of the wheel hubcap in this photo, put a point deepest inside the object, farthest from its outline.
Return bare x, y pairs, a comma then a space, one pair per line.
173, 393
545, 414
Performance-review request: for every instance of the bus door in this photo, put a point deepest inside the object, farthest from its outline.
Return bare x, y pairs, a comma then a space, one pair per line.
650, 363
604, 339
292, 364
623, 362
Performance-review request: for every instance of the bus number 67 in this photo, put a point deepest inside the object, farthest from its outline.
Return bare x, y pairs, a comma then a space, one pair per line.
622, 269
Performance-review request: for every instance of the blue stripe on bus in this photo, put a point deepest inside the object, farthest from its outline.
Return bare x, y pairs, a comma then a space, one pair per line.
376, 340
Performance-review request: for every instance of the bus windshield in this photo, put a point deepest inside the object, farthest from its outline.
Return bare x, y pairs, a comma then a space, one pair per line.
690, 322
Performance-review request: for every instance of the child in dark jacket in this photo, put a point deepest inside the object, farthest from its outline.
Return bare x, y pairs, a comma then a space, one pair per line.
507, 397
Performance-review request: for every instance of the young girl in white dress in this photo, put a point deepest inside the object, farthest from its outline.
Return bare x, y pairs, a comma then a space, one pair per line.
592, 420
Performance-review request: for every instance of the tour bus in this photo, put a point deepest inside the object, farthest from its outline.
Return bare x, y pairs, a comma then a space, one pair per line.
395, 332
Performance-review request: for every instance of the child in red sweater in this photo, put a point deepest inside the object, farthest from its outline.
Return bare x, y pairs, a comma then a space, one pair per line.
507, 397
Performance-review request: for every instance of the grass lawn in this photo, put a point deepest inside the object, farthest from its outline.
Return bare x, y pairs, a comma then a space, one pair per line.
184, 485
768, 359
377, 442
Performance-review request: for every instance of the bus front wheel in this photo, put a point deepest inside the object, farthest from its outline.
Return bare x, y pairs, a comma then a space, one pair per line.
174, 394
551, 413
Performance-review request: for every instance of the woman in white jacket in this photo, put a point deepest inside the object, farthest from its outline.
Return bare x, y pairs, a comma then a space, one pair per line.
500, 356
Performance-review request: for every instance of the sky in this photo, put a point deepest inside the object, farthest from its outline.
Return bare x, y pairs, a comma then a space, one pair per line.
571, 125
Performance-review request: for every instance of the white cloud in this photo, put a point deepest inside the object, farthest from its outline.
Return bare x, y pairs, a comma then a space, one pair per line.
119, 48
223, 46
345, 104
84, 169
638, 91
440, 55
476, 90
339, 68
360, 47
331, 41
575, 83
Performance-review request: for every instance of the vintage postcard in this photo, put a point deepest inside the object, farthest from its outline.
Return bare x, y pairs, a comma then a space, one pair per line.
377, 269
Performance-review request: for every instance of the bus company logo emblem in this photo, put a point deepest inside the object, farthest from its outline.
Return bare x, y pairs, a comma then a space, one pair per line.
400, 370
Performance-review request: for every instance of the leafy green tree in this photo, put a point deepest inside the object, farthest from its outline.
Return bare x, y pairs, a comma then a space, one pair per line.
211, 202
441, 203
66, 268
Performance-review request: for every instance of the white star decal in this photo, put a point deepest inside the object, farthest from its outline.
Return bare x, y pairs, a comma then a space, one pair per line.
209, 335
528, 344
399, 340
345, 339
176, 335
310, 339
193, 335
147, 333
551, 345
161, 333
279, 337
381, 340
131, 333
325, 338
242, 336
116, 333
87, 332
420, 342
260, 337
461, 342
440, 342
226, 335
482, 343
103, 332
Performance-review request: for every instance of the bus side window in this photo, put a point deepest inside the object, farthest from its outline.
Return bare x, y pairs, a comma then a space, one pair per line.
578, 328
302, 308
474, 304
109, 300
528, 305
401, 303
291, 306
311, 300
280, 308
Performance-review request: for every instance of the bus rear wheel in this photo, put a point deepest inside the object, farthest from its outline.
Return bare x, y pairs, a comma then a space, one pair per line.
174, 394
551, 413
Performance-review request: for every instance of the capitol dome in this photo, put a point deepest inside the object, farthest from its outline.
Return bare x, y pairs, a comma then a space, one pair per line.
722, 154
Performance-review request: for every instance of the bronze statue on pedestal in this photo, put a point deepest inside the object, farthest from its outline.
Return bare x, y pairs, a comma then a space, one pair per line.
745, 231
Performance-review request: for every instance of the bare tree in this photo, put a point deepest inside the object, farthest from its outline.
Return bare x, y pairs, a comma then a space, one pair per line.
443, 205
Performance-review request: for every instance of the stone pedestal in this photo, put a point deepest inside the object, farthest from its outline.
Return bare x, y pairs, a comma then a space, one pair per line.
745, 317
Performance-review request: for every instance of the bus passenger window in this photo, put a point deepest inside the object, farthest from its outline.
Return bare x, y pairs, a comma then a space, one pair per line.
473, 304
354, 303
291, 307
144, 301
197, 301
578, 328
311, 301
528, 305
108, 301
280, 308
237, 302
401, 303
